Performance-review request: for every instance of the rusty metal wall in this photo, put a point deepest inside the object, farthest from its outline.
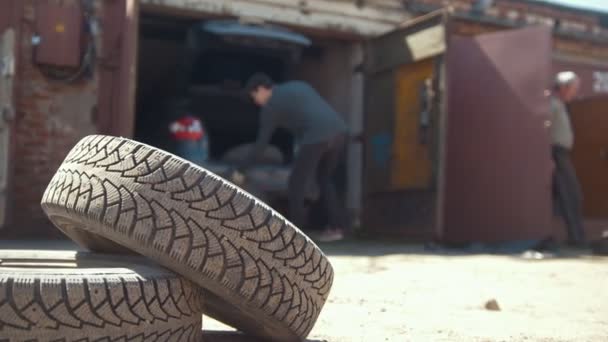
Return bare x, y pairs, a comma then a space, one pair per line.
7, 14
590, 153
118, 66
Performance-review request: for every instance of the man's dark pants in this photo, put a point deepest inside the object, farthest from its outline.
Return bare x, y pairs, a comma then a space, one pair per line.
568, 194
320, 160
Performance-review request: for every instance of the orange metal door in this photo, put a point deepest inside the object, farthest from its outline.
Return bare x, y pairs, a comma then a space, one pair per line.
397, 65
411, 167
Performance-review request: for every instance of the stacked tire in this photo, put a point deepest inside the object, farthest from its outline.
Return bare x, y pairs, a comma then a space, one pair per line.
258, 272
67, 296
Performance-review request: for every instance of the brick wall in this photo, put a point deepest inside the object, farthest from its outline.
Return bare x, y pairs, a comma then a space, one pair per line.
51, 117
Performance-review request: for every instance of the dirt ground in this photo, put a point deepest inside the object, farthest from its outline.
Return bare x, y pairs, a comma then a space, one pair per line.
392, 292
396, 292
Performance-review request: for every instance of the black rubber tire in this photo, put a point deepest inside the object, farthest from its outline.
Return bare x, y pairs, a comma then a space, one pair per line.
69, 296
265, 277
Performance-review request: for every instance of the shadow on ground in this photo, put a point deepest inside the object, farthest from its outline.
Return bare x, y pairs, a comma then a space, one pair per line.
232, 336
359, 247
519, 249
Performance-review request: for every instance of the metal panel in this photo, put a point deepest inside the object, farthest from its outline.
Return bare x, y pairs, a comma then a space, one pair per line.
590, 153
498, 164
7, 112
385, 56
60, 30
418, 40
379, 123
427, 43
411, 167
117, 76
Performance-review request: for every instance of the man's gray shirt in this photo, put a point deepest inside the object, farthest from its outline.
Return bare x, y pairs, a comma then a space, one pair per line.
297, 107
561, 127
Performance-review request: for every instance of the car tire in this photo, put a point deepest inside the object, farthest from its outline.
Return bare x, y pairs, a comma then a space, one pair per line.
264, 276
69, 296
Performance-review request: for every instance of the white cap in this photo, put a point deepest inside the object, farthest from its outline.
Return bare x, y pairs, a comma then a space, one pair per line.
565, 77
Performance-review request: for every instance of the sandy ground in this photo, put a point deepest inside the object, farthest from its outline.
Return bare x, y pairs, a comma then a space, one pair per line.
392, 292
396, 292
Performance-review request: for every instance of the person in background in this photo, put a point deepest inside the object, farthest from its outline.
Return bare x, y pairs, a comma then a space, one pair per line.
188, 136
567, 190
321, 134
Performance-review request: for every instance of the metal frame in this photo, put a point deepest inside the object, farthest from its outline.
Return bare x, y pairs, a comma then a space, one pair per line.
13, 12
118, 70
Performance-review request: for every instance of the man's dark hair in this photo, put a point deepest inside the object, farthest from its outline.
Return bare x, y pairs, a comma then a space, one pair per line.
258, 80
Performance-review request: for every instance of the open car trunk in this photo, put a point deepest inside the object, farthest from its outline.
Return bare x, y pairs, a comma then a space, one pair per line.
204, 66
